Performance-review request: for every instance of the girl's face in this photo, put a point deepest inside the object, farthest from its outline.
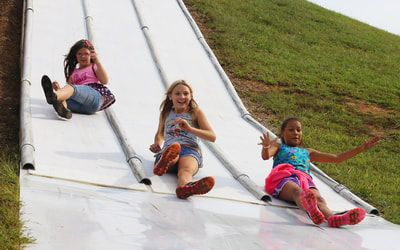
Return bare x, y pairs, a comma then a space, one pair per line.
292, 134
180, 98
83, 57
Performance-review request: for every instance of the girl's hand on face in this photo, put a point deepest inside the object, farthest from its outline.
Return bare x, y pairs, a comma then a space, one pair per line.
155, 148
93, 56
183, 124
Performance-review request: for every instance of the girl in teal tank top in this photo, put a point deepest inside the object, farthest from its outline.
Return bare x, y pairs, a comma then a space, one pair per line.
290, 178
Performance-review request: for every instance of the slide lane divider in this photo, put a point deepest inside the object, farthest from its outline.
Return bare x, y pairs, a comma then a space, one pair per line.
147, 35
339, 188
26, 140
133, 159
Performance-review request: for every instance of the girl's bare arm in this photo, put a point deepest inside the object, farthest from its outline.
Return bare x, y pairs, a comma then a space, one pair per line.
101, 73
318, 156
204, 131
158, 138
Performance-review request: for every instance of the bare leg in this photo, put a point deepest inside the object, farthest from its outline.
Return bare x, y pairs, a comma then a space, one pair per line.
187, 167
291, 192
57, 87
322, 205
64, 93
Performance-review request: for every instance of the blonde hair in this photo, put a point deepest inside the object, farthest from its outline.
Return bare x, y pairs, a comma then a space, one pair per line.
167, 105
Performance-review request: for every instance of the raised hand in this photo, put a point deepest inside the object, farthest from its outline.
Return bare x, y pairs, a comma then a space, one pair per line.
266, 142
183, 124
93, 56
155, 148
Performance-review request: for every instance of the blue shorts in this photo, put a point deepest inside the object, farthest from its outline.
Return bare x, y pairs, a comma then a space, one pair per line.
188, 151
85, 100
185, 151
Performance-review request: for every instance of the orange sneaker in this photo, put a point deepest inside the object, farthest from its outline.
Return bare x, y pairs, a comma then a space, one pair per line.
351, 217
201, 186
309, 203
168, 159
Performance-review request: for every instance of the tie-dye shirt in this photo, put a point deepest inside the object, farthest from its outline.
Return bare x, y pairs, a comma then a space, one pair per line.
172, 133
299, 158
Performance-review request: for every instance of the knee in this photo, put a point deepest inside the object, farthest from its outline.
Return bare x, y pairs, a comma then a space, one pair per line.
296, 193
186, 170
182, 171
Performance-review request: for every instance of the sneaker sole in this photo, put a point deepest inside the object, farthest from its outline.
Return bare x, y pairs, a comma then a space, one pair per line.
201, 186
351, 217
309, 203
168, 159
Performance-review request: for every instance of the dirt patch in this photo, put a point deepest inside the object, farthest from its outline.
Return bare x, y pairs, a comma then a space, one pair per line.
376, 112
244, 88
366, 108
252, 86
10, 39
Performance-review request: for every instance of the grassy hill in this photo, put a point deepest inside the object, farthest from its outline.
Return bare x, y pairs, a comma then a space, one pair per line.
340, 76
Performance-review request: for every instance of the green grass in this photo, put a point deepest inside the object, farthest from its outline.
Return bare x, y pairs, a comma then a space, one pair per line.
10, 227
340, 76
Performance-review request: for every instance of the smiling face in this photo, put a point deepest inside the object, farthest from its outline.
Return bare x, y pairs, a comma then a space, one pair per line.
180, 97
292, 133
83, 57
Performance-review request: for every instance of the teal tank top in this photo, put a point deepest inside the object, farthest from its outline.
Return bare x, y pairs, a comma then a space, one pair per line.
299, 158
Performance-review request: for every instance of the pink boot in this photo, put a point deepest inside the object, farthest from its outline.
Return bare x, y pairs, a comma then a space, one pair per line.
309, 203
351, 217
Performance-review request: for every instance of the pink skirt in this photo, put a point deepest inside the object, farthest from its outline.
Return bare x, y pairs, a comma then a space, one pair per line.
282, 174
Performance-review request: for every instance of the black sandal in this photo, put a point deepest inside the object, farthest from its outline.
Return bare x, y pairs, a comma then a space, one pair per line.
61, 110
51, 98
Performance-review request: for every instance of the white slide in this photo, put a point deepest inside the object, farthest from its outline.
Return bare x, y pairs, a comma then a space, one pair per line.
87, 182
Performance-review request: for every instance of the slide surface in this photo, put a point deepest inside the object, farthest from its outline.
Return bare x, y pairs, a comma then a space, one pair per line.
82, 192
